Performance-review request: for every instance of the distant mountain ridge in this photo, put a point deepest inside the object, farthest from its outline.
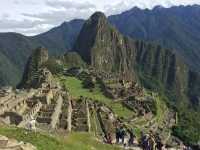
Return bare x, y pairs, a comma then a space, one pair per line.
15, 48
174, 28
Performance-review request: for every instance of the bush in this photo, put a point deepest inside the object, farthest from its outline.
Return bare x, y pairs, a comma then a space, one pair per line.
53, 66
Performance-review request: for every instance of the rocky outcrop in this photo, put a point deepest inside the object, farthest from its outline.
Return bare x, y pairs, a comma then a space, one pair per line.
102, 46
11, 144
32, 71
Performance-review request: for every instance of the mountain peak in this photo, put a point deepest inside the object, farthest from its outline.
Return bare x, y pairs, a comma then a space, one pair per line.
102, 46
98, 15
97, 24
97, 19
158, 7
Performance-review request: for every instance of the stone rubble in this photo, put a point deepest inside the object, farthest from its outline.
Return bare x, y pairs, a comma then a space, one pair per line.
12, 144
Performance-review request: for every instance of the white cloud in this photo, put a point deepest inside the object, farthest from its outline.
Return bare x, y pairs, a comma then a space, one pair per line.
36, 16
71, 4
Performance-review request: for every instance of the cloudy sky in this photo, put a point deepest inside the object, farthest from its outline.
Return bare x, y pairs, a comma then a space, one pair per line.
31, 17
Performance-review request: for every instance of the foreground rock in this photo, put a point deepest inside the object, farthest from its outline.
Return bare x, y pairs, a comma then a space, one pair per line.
11, 144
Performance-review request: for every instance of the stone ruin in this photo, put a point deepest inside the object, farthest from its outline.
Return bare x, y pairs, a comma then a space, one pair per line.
44, 104
54, 110
141, 106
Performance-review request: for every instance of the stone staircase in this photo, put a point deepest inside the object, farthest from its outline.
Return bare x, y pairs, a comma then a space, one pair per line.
63, 119
45, 113
79, 116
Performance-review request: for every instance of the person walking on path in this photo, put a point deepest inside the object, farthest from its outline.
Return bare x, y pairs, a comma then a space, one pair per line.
122, 134
159, 144
117, 134
32, 124
131, 137
152, 143
144, 143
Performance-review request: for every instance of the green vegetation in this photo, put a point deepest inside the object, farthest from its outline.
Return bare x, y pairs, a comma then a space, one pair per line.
73, 59
53, 66
95, 124
161, 110
75, 87
84, 141
188, 127
74, 141
9, 73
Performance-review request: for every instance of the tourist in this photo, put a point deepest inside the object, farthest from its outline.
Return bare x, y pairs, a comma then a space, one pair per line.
109, 138
32, 124
117, 133
151, 142
143, 141
122, 134
131, 138
158, 141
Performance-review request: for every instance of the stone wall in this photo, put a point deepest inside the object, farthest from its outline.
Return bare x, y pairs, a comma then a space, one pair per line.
32, 113
69, 117
15, 101
57, 112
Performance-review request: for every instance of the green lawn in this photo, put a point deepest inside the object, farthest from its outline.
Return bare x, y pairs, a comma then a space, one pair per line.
76, 89
161, 109
74, 141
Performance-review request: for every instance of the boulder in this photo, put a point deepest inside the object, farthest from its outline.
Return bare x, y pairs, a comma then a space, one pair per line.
3, 141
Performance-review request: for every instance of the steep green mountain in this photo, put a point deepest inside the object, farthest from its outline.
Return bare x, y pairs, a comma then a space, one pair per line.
104, 48
174, 28
7, 69
60, 39
15, 49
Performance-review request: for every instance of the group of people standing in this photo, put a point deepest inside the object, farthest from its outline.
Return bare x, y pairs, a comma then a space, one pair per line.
151, 141
122, 133
147, 141
127, 138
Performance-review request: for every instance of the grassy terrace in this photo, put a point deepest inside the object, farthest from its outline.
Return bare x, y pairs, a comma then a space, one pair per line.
74, 141
76, 89
161, 110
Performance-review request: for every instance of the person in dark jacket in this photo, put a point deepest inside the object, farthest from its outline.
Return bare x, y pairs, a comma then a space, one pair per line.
144, 141
159, 144
117, 134
122, 134
132, 137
